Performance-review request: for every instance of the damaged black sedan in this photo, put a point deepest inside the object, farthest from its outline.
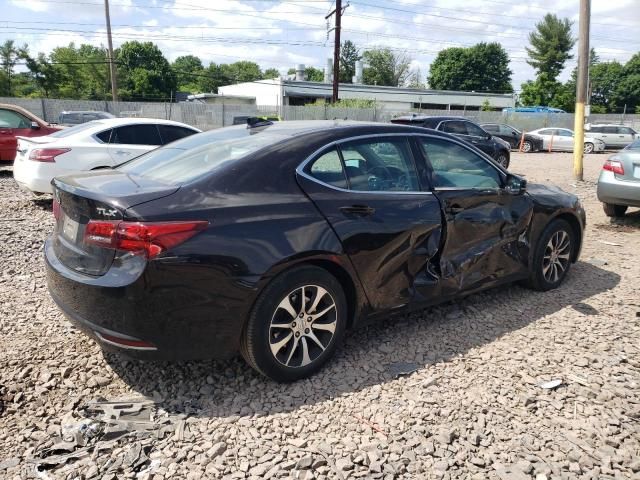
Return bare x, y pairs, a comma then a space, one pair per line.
274, 240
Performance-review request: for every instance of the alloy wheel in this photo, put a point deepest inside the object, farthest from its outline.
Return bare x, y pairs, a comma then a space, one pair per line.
302, 326
588, 147
556, 256
526, 147
502, 160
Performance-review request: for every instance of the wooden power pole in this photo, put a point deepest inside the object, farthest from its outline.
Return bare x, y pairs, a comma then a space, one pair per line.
581, 88
112, 66
336, 49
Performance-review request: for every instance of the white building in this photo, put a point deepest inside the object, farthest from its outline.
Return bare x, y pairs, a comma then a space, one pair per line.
281, 92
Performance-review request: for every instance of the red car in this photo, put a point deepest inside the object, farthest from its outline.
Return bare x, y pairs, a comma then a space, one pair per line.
17, 122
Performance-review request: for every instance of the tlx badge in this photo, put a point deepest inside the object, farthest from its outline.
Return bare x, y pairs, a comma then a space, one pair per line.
107, 212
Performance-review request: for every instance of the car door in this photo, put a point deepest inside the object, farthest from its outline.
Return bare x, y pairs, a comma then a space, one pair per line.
130, 141
625, 136
546, 134
369, 192
481, 139
510, 135
483, 223
12, 125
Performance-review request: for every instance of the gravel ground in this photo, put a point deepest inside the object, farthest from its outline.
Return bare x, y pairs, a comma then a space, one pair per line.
472, 410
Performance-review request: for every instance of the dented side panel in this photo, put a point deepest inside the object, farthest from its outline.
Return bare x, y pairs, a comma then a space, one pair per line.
486, 238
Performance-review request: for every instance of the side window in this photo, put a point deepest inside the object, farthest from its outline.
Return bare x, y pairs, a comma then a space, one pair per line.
596, 129
136, 135
171, 133
624, 131
456, 167
475, 130
11, 119
455, 126
613, 130
493, 128
547, 131
380, 165
564, 133
104, 136
506, 130
328, 169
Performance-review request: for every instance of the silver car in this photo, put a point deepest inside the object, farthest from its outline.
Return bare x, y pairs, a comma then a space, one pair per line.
619, 182
561, 140
614, 136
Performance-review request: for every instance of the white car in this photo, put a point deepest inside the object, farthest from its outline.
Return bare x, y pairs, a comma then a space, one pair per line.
561, 140
97, 144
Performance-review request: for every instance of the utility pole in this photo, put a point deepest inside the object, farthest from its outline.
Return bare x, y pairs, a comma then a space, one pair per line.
581, 88
336, 49
112, 66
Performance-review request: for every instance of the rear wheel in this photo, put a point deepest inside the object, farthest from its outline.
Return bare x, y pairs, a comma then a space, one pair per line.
612, 210
552, 256
588, 147
503, 159
295, 325
527, 147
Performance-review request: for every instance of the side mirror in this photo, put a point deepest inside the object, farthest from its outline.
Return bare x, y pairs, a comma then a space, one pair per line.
35, 125
515, 185
488, 137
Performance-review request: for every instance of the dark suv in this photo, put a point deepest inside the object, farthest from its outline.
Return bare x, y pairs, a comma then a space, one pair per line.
464, 129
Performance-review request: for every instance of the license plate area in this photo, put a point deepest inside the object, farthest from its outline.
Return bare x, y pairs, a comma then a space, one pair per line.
69, 228
636, 171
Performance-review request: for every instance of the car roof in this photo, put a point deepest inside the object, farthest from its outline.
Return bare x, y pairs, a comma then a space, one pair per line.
85, 111
118, 122
23, 111
433, 117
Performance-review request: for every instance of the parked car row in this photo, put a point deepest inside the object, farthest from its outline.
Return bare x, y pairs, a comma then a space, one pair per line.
273, 238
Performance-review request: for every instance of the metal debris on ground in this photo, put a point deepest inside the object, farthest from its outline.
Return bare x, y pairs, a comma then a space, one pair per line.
613, 244
598, 262
399, 369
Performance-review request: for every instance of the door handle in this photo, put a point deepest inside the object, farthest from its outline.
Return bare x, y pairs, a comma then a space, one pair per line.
454, 209
360, 210
122, 152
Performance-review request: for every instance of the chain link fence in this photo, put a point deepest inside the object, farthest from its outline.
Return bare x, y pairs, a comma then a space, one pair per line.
209, 116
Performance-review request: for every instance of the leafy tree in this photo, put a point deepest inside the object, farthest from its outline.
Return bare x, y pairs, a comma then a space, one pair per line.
385, 67
212, 79
188, 69
482, 68
4, 84
239, 72
546, 91
551, 44
628, 90
312, 74
349, 55
270, 73
144, 72
415, 79
10, 53
44, 74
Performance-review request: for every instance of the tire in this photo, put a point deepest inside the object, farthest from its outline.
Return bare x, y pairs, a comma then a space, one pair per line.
588, 147
503, 159
545, 273
611, 210
527, 147
278, 352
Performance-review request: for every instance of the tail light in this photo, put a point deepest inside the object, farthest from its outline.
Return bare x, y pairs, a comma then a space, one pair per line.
141, 238
47, 154
614, 166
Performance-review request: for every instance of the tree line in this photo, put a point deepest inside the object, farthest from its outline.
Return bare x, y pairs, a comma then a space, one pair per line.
81, 72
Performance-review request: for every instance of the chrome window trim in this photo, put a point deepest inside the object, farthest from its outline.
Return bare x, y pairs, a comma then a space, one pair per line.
336, 143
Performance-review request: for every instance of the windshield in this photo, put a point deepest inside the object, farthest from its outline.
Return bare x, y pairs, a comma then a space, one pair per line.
175, 166
65, 132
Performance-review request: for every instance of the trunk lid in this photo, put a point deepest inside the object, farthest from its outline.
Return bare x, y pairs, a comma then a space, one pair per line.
100, 195
630, 160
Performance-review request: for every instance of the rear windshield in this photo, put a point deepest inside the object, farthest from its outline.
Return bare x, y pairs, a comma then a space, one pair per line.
65, 132
174, 166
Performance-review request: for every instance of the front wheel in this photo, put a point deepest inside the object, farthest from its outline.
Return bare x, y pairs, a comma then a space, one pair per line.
611, 210
503, 160
527, 147
588, 147
552, 256
295, 325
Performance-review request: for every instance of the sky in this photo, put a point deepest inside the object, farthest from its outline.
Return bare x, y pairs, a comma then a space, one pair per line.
283, 33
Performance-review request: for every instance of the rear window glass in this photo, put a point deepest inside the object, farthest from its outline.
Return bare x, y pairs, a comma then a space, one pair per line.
175, 166
66, 132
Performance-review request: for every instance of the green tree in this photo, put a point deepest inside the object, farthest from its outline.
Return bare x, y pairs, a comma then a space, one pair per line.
349, 55
44, 74
416, 79
628, 90
187, 69
270, 73
144, 72
240, 72
550, 46
10, 54
482, 68
383, 67
546, 91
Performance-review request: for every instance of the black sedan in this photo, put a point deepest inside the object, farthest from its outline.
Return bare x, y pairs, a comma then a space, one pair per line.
275, 240
530, 143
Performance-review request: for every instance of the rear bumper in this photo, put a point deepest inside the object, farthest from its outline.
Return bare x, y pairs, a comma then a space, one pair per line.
36, 176
182, 314
618, 192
